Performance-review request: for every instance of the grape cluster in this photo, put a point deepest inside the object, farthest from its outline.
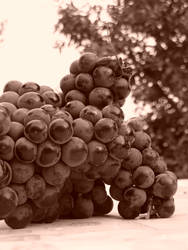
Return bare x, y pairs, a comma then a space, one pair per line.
59, 150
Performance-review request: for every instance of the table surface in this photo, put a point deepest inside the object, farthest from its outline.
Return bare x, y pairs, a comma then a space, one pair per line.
109, 232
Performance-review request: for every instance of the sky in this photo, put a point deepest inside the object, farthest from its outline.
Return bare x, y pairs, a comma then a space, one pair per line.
27, 52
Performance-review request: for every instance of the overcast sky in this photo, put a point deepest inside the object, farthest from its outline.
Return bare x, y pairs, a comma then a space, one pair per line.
27, 53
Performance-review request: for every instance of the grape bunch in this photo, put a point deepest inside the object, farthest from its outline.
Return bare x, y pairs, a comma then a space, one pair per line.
59, 150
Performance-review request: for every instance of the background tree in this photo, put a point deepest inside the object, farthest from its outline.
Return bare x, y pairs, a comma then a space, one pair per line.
152, 36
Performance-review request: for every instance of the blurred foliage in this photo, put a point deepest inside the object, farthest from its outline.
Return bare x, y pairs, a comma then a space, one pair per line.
152, 36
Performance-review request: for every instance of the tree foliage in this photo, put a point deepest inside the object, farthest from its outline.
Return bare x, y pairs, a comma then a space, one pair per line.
152, 37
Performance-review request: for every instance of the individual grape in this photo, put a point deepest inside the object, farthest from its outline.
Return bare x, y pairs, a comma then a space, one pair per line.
84, 167
133, 160
48, 153
52, 213
118, 148
8, 108
10, 96
25, 150
8, 201
165, 185
66, 204
21, 192
5, 173
81, 183
93, 173
16, 130
100, 97
56, 174
114, 112
106, 130
60, 130
121, 88
5, 122
136, 123
74, 108
39, 213
21, 172
159, 166
44, 88
143, 177
87, 61
67, 83
103, 208
112, 63
123, 179
37, 114
20, 217
91, 113
84, 82
83, 208
7, 146
49, 197
126, 211
63, 115
35, 187
116, 192
75, 94
97, 153
127, 132
110, 168
49, 109
98, 194
164, 208
30, 100
19, 115
149, 156
75, 68
135, 197
67, 187
83, 129
74, 152
12, 86
103, 76
29, 87
142, 140
36, 131
51, 97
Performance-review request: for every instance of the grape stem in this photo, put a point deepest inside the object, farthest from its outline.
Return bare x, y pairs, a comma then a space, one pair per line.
150, 208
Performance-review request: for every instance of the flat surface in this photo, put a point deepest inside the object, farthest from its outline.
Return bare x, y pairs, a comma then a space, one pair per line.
110, 232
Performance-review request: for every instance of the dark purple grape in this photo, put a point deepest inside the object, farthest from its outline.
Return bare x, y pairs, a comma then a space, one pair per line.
35, 187
142, 140
91, 113
48, 153
8, 201
126, 211
20, 217
135, 197
103, 208
60, 130
5, 174
143, 177
83, 208
66, 204
164, 207
123, 179
133, 160
106, 130
97, 153
25, 150
165, 185
118, 148
116, 192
